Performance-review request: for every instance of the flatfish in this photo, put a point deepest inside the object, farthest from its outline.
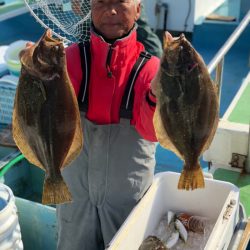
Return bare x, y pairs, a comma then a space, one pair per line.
46, 119
186, 115
152, 243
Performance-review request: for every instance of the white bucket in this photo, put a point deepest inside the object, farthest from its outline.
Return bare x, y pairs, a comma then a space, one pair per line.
10, 233
12, 56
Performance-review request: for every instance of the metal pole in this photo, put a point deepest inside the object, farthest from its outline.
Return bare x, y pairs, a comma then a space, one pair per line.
229, 43
219, 77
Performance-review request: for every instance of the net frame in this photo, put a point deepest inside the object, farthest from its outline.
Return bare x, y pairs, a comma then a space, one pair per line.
69, 20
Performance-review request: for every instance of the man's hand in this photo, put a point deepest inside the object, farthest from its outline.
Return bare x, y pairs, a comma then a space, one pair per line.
167, 38
28, 45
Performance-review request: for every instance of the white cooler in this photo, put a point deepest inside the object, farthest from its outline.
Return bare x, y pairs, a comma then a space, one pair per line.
218, 201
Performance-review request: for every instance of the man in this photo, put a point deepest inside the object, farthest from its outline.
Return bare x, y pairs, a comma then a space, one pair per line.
145, 35
116, 165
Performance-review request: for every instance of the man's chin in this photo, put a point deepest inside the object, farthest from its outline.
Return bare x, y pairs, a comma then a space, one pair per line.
112, 35
110, 32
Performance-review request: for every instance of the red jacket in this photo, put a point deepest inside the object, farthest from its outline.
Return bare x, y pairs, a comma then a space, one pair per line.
105, 93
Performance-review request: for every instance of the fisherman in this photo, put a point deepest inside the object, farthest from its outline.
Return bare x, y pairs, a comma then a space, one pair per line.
145, 35
112, 77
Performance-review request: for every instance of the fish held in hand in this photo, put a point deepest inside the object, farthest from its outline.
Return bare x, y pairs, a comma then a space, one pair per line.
186, 115
46, 119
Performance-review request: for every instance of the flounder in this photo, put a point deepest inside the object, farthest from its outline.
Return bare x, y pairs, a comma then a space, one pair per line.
46, 119
186, 115
152, 243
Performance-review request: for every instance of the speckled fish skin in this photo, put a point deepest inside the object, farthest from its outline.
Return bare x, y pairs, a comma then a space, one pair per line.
186, 115
46, 120
152, 243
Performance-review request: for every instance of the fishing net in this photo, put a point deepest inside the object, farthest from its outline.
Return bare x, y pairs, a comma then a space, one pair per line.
68, 19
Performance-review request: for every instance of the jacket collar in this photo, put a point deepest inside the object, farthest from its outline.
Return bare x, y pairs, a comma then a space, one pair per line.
128, 41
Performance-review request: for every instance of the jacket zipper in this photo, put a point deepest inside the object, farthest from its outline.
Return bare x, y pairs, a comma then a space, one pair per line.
108, 61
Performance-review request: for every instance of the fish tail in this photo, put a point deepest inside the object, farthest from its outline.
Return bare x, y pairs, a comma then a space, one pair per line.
191, 178
55, 191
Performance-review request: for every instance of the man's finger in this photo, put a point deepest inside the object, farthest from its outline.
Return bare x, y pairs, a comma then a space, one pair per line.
168, 36
167, 39
29, 44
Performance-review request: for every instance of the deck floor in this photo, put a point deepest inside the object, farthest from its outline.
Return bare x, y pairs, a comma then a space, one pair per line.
240, 180
241, 111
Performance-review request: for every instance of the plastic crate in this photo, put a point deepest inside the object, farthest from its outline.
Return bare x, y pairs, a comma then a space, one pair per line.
8, 86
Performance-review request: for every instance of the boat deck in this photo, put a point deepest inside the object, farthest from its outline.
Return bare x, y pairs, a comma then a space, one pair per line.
207, 39
239, 111
242, 181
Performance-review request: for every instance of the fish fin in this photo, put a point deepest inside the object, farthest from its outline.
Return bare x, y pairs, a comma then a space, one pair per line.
214, 127
161, 133
76, 146
21, 143
191, 179
216, 88
77, 142
55, 192
211, 136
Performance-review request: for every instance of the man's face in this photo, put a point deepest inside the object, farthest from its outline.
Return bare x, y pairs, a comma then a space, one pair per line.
114, 18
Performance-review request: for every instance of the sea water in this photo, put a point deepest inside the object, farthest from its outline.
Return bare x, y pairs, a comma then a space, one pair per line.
195, 240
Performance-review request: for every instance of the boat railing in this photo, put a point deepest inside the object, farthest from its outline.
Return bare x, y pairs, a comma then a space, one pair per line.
217, 64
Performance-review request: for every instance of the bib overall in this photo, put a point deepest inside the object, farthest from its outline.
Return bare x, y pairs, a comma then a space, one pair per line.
112, 173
